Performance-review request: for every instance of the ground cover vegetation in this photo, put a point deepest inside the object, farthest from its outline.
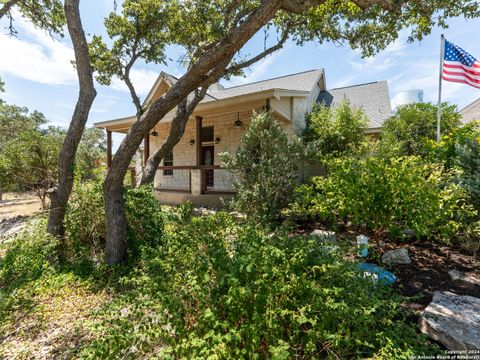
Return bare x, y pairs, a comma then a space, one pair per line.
195, 287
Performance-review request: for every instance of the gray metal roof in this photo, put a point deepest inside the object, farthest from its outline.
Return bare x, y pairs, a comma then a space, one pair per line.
303, 81
373, 98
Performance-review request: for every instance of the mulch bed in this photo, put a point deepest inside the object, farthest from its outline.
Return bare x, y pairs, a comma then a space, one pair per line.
428, 270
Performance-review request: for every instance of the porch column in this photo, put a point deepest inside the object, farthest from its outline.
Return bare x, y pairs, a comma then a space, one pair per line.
198, 139
146, 148
109, 148
198, 175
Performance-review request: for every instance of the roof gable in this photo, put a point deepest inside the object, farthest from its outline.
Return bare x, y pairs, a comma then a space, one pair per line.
373, 98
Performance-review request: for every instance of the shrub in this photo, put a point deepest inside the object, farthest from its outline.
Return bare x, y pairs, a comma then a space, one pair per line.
336, 131
85, 220
265, 167
387, 194
215, 290
412, 128
469, 162
144, 218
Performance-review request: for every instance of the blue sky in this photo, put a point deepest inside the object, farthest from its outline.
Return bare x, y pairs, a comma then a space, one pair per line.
38, 73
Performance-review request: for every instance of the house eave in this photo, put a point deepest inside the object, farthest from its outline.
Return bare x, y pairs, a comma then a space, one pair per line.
122, 124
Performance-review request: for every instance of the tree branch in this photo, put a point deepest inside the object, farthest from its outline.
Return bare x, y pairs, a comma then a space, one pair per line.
7, 7
131, 88
235, 67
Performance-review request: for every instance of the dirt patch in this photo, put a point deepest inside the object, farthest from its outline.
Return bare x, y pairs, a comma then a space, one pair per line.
428, 271
19, 204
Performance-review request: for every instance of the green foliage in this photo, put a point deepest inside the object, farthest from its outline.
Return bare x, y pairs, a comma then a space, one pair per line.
29, 160
446, 152
144, 218
91, 149
388, 194
469, 162
140, 31
265, 168
413, 127
215, 290
85, 221
45, 14
29, 256
335, 131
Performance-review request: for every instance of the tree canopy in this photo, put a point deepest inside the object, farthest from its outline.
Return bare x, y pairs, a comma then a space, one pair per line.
45, 14
411, 129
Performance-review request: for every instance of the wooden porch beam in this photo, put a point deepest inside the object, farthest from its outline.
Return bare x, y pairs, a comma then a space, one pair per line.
146, 148
198, 139
199, 149
109, 148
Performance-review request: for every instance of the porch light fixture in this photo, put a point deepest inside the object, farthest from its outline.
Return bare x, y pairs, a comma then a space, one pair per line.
217, 140
154, 132
191, 142
238, 123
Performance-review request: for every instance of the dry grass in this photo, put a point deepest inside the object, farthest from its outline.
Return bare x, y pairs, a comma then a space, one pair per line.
24, 204
51, 324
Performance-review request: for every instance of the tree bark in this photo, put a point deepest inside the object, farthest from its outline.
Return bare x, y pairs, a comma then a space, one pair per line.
87, 93
197, 74
177, 129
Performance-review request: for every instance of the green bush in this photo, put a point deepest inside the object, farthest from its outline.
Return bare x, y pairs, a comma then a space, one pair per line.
387, 194
85, 220
144, 218
265, 167
413, 127
214, 290
468, 160
336, 131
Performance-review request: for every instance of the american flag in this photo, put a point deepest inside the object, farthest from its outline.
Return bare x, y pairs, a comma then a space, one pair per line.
459, 66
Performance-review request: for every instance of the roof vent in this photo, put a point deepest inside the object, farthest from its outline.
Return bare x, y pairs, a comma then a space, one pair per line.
215, 87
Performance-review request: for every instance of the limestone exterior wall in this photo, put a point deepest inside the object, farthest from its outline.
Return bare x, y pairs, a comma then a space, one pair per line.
185, 154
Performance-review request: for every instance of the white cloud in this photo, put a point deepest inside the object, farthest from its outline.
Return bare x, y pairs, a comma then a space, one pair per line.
40, 59
142, 79
37, 57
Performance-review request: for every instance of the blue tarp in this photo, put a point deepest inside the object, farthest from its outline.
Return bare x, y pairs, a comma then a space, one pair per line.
378, 274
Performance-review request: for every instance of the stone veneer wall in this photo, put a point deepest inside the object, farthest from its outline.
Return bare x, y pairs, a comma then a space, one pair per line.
185, 154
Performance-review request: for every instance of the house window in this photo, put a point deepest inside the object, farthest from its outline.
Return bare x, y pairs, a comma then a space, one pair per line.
207, 134
168, 161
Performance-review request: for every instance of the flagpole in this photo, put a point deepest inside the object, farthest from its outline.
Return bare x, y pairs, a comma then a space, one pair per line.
439, 116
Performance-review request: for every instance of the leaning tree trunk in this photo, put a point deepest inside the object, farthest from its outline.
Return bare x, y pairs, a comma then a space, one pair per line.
177, 129
61, 194
200, 71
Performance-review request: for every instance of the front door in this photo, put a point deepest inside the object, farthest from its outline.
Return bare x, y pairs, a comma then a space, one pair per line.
207, 159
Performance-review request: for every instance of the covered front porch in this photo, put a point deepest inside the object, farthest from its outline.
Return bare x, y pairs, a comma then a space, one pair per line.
193, 170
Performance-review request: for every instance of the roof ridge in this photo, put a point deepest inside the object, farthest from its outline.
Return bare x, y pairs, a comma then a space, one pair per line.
363, 84
274, 78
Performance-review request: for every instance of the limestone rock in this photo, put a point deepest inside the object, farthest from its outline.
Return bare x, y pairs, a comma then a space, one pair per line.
397, 256
457, 275
453, 320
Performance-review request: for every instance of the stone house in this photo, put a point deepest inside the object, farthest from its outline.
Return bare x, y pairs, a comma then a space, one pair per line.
193, 170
